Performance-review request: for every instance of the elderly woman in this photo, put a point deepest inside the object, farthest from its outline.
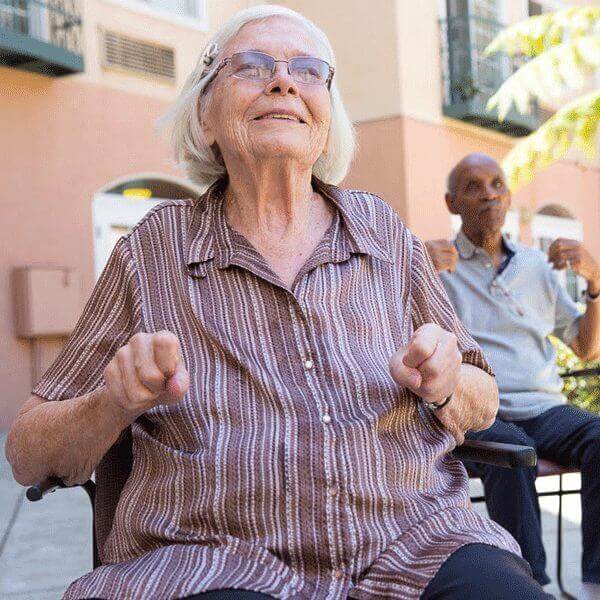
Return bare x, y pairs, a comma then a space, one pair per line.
279, 348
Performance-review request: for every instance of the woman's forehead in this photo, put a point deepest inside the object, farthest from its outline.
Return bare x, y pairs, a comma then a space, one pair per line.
277, 36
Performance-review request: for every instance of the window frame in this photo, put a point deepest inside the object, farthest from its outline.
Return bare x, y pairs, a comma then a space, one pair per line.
199, 23
551, 227
112, 212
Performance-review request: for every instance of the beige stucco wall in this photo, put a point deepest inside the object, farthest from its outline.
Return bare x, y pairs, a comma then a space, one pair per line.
364, 40
187, 41
67, 140
70, 137
406, 161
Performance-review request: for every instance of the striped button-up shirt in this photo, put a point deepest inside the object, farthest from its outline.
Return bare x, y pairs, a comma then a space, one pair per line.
295, 465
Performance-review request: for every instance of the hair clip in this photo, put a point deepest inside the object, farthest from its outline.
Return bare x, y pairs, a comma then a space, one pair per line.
209, 54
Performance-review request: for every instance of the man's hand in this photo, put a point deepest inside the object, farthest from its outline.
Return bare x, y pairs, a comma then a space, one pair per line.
443, 254
565, 253
146, 372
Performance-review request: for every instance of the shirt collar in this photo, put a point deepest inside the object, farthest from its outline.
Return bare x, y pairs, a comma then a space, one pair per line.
209, 236
466, 248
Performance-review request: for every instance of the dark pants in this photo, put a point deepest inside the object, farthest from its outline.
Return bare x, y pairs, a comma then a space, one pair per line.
229, 595
473, 572
565, 435
480, 571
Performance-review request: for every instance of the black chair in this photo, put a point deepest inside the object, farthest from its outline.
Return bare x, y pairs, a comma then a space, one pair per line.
547, 468
114, 469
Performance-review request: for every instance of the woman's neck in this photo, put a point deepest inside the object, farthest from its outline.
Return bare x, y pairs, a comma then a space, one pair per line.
270, 199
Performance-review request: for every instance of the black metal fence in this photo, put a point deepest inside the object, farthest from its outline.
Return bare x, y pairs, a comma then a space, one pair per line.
466, 72
57, 22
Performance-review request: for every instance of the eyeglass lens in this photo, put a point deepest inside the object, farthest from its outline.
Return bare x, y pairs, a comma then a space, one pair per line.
259, 66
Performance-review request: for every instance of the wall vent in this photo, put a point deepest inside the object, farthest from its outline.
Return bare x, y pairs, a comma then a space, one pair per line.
134, 55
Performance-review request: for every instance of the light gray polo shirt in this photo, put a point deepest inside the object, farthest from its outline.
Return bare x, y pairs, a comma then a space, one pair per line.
511, 315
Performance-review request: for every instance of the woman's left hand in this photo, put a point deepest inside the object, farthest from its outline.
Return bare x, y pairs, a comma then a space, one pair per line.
430, 366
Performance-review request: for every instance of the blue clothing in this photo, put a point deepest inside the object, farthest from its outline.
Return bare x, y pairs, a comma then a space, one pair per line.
565, 435
511, 314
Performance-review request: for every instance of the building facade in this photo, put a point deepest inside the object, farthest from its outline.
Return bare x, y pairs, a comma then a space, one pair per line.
82, 83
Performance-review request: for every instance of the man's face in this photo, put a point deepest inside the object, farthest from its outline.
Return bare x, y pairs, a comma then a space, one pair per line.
481, 197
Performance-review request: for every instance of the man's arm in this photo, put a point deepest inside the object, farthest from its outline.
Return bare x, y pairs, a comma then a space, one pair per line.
587, 343
565, 253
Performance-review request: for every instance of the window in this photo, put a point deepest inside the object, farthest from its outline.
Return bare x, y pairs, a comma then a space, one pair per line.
119, 207
188, 13
183, 8
114, 216
535, 8
545, 229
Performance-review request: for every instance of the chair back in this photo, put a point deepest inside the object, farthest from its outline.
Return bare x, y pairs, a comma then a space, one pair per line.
111, 475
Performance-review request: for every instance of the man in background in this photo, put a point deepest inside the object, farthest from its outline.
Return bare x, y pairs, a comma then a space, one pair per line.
510, 299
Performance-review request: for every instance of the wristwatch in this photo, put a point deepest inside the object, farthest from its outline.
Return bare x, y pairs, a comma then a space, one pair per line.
434, 406
589, 298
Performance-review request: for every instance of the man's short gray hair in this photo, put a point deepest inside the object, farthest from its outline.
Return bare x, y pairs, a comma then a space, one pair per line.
202, 165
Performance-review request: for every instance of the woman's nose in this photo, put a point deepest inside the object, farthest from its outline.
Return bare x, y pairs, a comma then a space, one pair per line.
282, 82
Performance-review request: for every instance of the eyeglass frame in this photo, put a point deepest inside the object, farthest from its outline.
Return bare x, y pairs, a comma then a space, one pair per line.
227, 60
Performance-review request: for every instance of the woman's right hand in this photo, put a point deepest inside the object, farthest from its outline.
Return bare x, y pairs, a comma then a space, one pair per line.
146, 372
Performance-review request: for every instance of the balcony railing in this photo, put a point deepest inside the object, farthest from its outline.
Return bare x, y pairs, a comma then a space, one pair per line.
43, 36
470, 78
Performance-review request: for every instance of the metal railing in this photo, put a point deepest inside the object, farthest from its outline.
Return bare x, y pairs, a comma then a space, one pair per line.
467, 73
56, 22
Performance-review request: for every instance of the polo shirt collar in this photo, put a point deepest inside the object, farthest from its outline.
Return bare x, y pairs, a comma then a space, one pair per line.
466, 248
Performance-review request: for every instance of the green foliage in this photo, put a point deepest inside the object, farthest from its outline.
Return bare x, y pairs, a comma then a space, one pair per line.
581, 392
548, 76
565, 51
536, 35
576, 124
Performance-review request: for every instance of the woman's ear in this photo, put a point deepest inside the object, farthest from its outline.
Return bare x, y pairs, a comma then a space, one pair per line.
326, 146
451, 204
209, 136
207, 131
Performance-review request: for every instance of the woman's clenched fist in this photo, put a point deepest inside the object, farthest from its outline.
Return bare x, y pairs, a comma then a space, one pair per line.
145, 372
429, 365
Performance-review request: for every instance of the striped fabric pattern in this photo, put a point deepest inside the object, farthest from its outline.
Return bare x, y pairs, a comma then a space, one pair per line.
295, 466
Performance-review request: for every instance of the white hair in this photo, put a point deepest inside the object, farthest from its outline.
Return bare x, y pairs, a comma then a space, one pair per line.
202, 165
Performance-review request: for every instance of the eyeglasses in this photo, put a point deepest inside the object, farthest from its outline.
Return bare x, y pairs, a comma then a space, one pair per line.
257, 66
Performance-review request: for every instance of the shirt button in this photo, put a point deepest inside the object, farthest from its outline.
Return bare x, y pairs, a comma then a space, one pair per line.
326, 418
332, 490
338, 574
308, 363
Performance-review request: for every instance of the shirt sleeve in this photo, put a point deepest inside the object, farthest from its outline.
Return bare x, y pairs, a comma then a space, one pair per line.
430, 304
567, 315
110, 317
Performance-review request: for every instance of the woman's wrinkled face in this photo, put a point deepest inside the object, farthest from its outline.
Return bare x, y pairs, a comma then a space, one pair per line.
240, 115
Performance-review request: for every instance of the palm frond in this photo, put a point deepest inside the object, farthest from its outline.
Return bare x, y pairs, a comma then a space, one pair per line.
548, 76
574, 125
536, 35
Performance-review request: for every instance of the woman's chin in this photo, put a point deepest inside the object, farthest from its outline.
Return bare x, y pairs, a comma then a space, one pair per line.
285, 149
